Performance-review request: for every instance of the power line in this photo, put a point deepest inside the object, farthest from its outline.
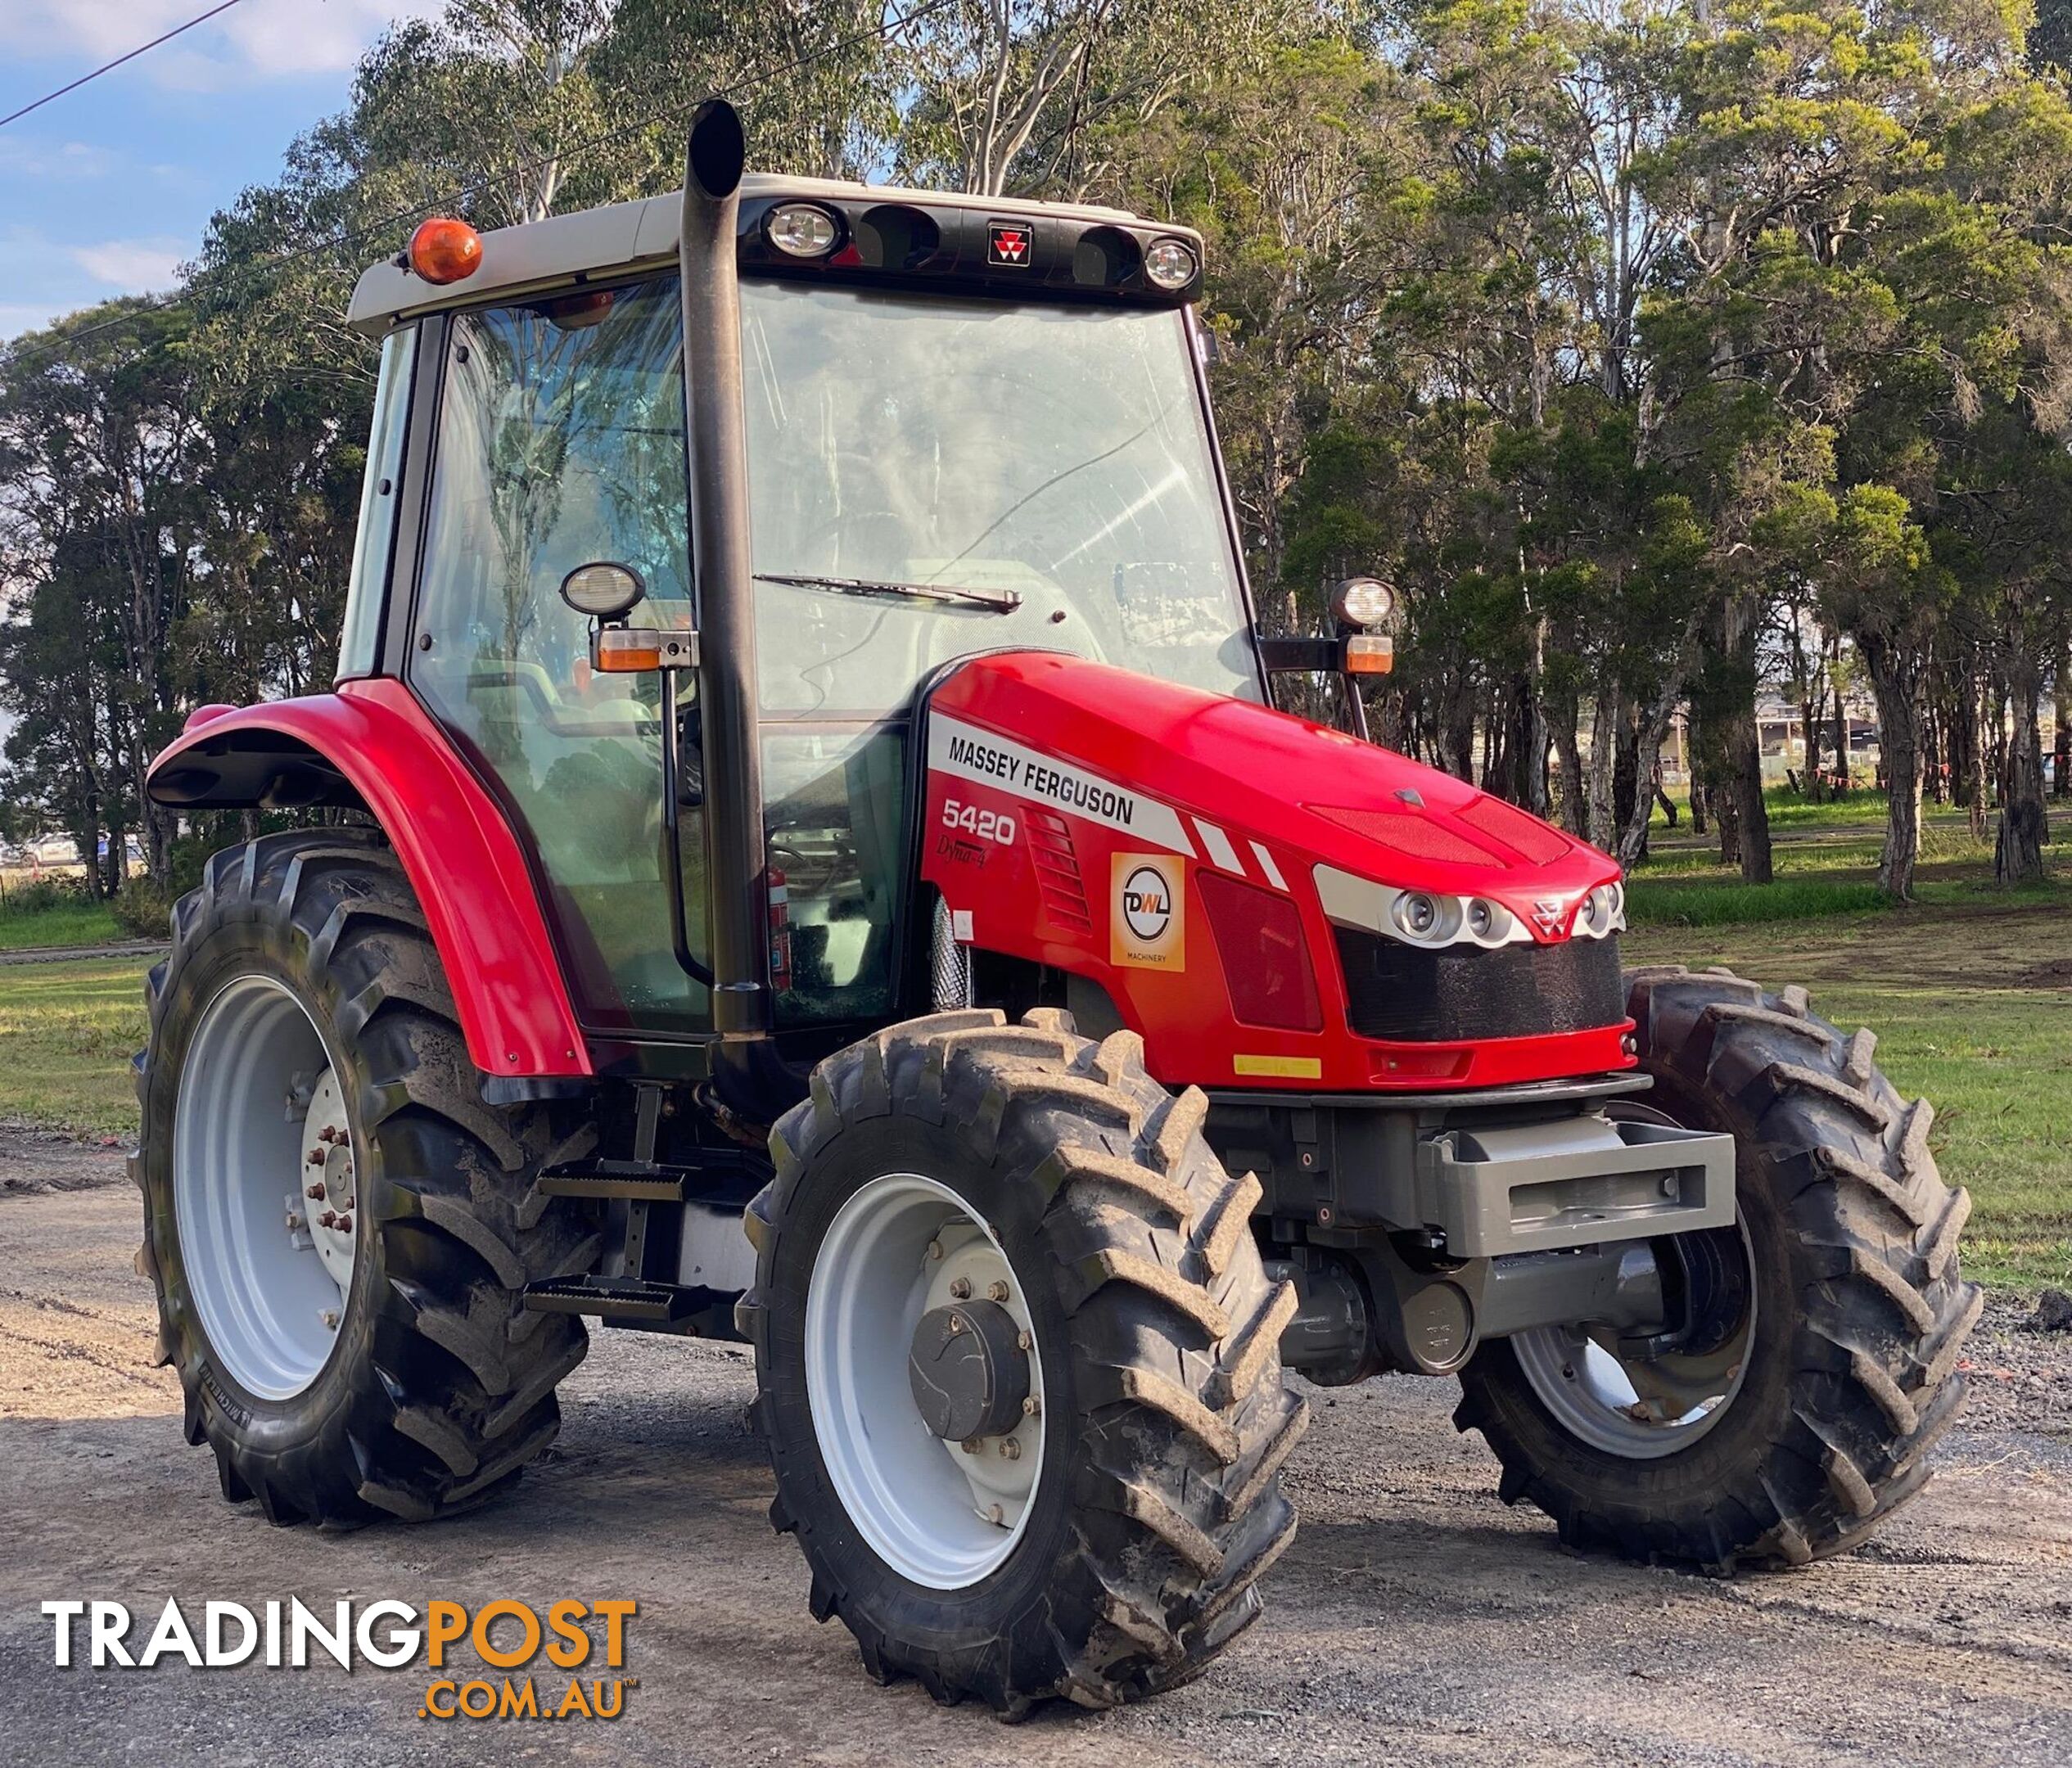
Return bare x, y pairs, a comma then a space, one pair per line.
110, 67
357, 236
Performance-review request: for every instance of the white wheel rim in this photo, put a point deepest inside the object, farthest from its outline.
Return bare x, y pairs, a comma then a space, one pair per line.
1591, 1392
268, 1276
939, 1515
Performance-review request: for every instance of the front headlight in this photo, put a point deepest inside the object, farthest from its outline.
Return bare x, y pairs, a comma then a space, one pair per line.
1432, 918
1604, 911
1424, 919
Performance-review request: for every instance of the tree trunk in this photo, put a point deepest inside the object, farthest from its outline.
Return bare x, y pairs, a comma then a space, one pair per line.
1741, 736
1972, 704
1744, 786
1575, 802
2061, 743
1539, 737
1708, 791
1625, 771
1896, 683
1997, 738
1603, 753
1931, 751
1526, 783
1726, 817
1841, 742
1647, 751
2018, 854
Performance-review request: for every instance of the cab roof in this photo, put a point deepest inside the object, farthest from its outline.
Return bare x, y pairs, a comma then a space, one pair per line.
631, 236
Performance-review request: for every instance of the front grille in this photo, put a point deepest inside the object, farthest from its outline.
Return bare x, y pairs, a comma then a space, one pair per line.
1413, 994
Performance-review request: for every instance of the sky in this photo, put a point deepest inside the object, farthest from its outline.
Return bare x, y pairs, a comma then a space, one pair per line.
106, 191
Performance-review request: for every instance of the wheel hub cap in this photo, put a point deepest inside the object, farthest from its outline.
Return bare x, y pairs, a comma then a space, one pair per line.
967, 1374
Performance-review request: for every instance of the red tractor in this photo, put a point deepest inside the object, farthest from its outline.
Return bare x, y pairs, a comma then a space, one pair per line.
813, 769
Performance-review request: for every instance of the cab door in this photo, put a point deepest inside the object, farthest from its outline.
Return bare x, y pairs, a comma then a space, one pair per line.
561, 442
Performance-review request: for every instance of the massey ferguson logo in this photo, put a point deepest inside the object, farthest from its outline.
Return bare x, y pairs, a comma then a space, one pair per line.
1546, 915
1009, 242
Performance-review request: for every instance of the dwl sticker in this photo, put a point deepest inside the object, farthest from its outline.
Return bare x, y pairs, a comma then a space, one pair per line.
1147, 919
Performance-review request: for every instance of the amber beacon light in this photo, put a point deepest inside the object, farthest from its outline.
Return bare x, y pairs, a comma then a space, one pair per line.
444, 250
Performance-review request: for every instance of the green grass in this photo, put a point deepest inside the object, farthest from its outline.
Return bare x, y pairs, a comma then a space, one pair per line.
1972, 999
1710, 904
1788, 812
72, 922
1969, 992
67, 1032
1969, 988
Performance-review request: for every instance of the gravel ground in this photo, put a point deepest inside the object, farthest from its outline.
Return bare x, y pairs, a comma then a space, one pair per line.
1416, 1620
66, 954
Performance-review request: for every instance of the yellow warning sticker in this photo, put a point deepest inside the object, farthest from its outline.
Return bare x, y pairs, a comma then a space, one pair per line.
1146, 912
1280, 1067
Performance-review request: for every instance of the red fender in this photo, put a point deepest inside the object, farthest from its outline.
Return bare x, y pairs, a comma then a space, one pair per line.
457, 849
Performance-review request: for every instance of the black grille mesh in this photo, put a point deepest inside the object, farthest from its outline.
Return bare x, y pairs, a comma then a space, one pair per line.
1411, 994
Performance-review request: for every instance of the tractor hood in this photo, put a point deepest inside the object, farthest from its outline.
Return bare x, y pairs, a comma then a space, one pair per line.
1209, 776
1266, 902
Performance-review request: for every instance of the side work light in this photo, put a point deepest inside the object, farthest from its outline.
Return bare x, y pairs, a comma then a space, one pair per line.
1170, 264
803, 230
1362, 601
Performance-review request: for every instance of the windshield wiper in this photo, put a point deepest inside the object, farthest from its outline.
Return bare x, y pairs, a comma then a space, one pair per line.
999, 601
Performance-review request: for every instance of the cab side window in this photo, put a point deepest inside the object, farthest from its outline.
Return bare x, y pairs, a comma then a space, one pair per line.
561, 442
367, 588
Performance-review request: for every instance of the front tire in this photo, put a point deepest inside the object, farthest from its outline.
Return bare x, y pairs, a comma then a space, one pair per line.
1846, 1374
1128, 1559
378, 1364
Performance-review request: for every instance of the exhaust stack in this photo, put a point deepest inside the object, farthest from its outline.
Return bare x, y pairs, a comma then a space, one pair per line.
715, 154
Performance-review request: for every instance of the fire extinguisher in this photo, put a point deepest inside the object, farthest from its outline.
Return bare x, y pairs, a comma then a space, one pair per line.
780, 932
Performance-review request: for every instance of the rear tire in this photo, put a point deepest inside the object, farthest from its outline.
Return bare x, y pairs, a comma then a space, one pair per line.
1156, 1504
438, 1388
1860, 1313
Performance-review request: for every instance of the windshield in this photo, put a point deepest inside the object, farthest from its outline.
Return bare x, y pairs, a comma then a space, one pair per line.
1056, 453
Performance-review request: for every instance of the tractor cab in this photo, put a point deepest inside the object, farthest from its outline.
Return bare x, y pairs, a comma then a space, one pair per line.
969, 427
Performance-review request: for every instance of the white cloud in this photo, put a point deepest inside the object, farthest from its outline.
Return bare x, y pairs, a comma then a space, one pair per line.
263, 39
54, 161
133, 267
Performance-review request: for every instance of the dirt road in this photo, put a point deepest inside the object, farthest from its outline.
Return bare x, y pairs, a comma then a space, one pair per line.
1415, 1620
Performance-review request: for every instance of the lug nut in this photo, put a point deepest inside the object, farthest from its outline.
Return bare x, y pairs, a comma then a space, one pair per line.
329, 1219
1031, 1406
316, 1158
1010, 1450
997, 1291
960, 1288
330, 1318
345, 1225
1023, 1342
973, 1446
315, 1190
